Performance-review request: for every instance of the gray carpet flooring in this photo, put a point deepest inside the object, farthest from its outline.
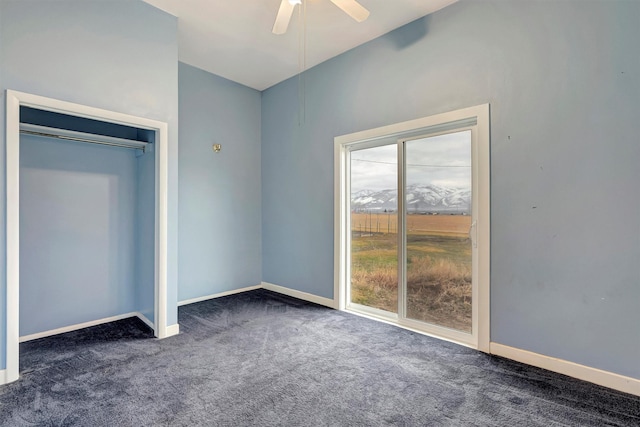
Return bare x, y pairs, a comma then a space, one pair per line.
262, 359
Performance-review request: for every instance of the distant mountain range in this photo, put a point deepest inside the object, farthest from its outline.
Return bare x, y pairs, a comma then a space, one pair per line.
420, 199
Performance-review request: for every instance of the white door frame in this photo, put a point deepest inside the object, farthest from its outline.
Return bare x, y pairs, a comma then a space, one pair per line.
14, 100
477, 116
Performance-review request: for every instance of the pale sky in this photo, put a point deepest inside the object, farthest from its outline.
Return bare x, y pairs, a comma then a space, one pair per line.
443, 160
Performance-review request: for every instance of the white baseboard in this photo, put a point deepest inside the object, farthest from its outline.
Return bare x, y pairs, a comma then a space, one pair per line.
582, 372
173, 330
145, 319
218, 295
71, 328
299, 294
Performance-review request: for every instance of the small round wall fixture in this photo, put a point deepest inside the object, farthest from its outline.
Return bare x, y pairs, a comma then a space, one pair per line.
216, 148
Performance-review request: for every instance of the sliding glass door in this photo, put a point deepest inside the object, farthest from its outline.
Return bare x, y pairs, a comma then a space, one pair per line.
437, 183
411, 223
374, 227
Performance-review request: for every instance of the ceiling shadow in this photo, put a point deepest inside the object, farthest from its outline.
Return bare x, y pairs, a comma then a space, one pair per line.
409, 34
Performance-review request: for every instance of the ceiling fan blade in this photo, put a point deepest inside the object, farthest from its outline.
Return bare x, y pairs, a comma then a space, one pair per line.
353, 9
283, 17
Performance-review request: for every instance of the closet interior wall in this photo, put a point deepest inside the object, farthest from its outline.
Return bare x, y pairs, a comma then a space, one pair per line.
87, 223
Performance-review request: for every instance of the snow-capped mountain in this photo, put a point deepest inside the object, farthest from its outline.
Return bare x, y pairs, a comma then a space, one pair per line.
419, 199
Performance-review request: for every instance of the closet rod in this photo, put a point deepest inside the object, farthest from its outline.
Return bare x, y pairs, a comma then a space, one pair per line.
69, 135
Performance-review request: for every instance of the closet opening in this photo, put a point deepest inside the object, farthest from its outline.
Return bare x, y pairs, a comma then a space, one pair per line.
86, 220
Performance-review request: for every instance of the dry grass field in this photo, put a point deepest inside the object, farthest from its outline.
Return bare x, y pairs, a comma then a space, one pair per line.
417, 224
438, 267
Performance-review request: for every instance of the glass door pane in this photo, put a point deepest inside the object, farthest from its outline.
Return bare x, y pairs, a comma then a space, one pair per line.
438, 220
374, 227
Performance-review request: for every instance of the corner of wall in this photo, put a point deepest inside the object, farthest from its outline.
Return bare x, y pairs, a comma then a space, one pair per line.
299, 294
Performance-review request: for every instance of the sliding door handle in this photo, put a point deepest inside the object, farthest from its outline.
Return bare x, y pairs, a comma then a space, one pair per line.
473, 234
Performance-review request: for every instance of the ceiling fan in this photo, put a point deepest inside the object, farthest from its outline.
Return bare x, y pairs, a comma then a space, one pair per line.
350, 7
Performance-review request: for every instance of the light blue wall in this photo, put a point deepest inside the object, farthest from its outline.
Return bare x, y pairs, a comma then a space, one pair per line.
77, 233
145, 234
220, 201
120, 55
563, 81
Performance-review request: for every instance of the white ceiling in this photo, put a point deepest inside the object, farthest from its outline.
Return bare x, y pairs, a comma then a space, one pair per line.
233, 39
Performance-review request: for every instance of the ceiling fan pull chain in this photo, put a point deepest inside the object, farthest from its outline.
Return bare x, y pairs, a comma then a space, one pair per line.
302, 61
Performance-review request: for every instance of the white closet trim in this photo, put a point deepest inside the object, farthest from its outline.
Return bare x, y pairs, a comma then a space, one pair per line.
15, 100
